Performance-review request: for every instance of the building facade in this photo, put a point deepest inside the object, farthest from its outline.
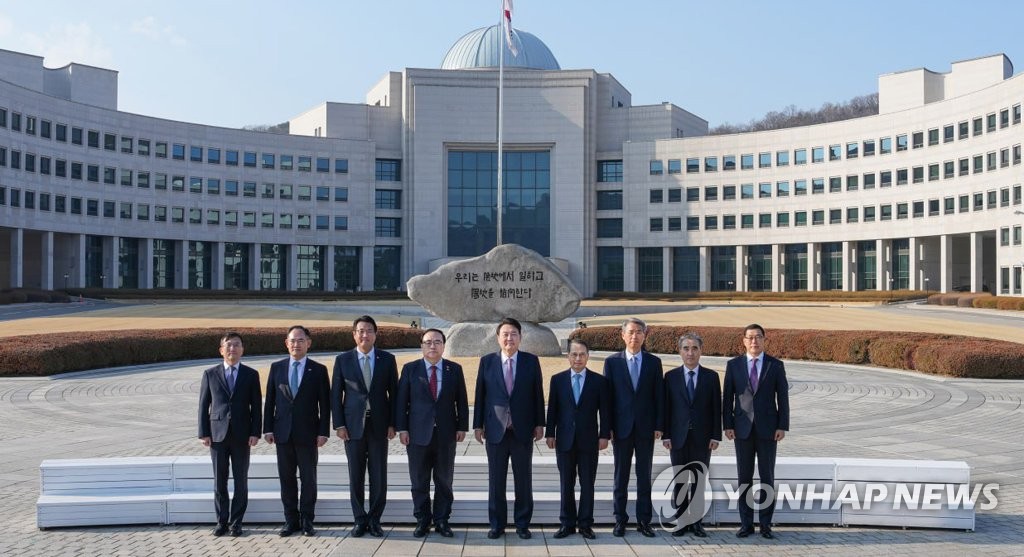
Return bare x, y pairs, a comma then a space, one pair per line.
362, 196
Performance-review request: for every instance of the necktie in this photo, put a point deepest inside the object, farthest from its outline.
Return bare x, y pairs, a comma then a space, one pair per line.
231, 379
753, 375
433, 382
508, 377
634, 370
293, 379
576, 388
691, 386
366, 376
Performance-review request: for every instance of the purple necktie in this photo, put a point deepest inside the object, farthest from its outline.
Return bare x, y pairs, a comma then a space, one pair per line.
753, 375
508, 377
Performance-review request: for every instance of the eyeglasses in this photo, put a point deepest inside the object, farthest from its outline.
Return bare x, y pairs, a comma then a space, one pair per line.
755, 337
296, 340
432, 343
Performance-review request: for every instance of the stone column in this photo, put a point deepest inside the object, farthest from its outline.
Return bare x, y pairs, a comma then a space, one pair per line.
705, 269
813, 268
849, 276
914, 282
111, 267
146, 263
881, 266
741, 269
366, 268
291, 273
778, 269
17, 257
254, 267
217, 264
629, 269
78, 272
666, 269
47, 261
945, 263
976, 262
181, 264
329, 285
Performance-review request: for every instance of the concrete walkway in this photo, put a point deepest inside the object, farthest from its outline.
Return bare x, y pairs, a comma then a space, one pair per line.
837, 410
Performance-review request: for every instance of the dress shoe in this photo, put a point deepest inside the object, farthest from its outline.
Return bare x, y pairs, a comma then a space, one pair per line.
766, 533
524, 533
620, 529
236, 531
444, 529
421, 530
307, 528
564, 532
681, 531
220, 530
587, 532
699, 531
288, 529
375, 529
744, 531
358, 530
494, 534
645, 529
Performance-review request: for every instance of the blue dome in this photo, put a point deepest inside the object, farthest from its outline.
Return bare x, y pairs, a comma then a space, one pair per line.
479, 49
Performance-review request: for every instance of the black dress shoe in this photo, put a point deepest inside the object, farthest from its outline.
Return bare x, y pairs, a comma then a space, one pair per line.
744, 531
220, 530
587, 532
307, 528
494, 534
358, 530
236, 531
681, 531
699, 531
444, 529
766, 533
288, 529
375, 529
645, 529
620, 529
524, 533
421, 530
564, 532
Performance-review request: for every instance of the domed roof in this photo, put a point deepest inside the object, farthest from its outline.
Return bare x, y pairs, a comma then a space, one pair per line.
479, 49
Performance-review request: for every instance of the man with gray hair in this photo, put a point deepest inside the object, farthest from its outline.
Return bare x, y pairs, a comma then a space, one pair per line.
635, 377
693, 423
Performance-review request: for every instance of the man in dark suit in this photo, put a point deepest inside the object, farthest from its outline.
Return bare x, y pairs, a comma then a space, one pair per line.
229, 424
297, 420
755, 414
509, 414
363, 391
636, 381
432, 417
579, 404
693, 423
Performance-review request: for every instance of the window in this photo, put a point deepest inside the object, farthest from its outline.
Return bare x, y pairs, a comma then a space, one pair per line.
977, 126
817, 217
852, 214
782, 189
764, 190
990, 121
675, 166
710, 164
835, 216
710, 222
990, 160
178, 183
800, 156
963, 129
746, 221
729, 222
764, 160
746, 162
195, 184
388, 199
1016, 113
901, 177
852, 182
287, 162
764, 220
979, 163
918, 140
656, 224
729, 162
800, 187
692, 195
143, 147
782, 220
323, 222
933, 207
675, 195
948, 133
195, 154
979, 201
965, 166
76, 136
852, 149
213, 186
692, 165
268, 161
323, 164
231, 218
249, 159
933, 137
607, 171
609, 228
710, 193
231, 157
835, 152
728, 193
177, 152
610, 200
656, 168
800, 218
817, 185
231, 187
746, 191
901, 210
782, 158
62, 133
657, 196
386, 170
869, 181
869, 147
949, 205
948, 169
918, 209
109, 142
341, 195
886, 212
835, 184
901, 143
341, 166
675, 223
340, 223
918, 172
267, 220
869, 213
933, 172
109, 209
885, 146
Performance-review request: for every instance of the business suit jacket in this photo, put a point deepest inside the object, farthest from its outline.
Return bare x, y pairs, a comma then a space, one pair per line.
769, 406
637, 411
297, 417
349, 393
578, 426
700, 417
418, 413
222, 413
492, 399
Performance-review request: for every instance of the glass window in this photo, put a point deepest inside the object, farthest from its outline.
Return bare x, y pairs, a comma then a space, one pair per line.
178, 152
918, 209
341, 195
341, 166
800, 156
692, 165
869, 181
852, 182
901, 210
710, 193
675, 223
817, 185
268, 160
710, 164
764, 220
710, 222
249, 159
729, 162
746, 221
817, 217
901, 177
746, 191
885, 145
109, 142
852, 150
692, 194
231, 187
933, 137
979, 163
869, 213
729, 222
782, 158
948, 133
746, 162
607, 171
782, 220
675, 166
800, 187
869, 147
835, 152
323, 222
818, 154
800, 218
977, 126
1016, 113
918, 173
835, 184
340, 223
764, 160
323, 164
609, 228
852, 214
213, 155
835, 216
918, 140
948, 169
728, 193
886, 212
195, 153
675, 195
963, 129
990, 122
609, 200
656, 168
901, 142
386, 170
143, 147
782, 189
764, 189
657, 196
656, 224
388, 199
231, 157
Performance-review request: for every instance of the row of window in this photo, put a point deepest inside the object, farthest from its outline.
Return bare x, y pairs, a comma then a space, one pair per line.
839, 151
612, 227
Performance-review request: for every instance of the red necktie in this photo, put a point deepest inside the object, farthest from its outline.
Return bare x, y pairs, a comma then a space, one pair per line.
433, 382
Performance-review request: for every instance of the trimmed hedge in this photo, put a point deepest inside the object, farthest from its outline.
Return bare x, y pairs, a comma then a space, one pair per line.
949, 355
201, 294
48, 354
798, 296
26, 295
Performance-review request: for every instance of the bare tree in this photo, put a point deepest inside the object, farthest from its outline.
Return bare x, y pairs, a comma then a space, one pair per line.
281, 128
791, 116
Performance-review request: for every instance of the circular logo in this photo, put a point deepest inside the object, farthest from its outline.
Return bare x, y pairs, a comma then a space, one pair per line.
682, 495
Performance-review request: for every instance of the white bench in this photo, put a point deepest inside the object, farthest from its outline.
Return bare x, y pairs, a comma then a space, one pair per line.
176, 490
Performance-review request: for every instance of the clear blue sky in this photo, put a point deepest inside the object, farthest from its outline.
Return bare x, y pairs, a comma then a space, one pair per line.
263, 62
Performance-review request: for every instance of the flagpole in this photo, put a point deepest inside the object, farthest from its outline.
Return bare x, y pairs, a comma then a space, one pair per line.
501, 109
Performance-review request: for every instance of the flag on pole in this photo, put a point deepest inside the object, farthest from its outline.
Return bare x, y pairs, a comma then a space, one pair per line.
508, 28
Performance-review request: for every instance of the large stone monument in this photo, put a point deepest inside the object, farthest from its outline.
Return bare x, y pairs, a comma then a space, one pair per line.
508, 281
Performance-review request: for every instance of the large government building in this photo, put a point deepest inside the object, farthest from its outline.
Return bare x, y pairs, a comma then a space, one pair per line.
362, 196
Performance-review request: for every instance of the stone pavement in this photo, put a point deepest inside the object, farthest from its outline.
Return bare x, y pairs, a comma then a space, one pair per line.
837, 410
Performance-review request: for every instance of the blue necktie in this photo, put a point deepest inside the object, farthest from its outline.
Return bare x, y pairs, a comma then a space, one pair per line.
576, 388
293, 380
231, 379
634, 370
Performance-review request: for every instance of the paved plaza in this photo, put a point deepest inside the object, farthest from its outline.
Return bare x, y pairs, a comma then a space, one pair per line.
838, 411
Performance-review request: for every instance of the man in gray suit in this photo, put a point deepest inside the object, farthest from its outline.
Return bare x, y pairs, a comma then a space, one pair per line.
432, 417
229, 424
